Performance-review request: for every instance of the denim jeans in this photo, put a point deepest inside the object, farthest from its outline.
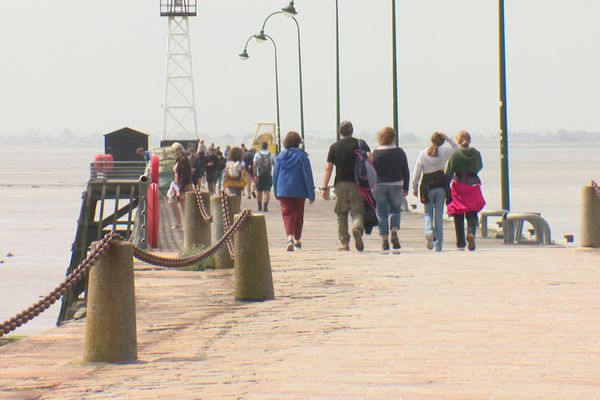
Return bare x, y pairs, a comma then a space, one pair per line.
389, 203
434, 216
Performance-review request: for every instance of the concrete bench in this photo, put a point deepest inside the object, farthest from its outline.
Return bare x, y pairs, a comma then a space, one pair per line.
484, 215
513, 228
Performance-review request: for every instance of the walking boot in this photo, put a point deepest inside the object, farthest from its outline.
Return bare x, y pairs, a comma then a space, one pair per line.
395, 241
358, 241
385, 245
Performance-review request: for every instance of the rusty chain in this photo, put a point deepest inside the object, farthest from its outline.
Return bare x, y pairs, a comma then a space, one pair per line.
153, 259
201, 206
226, 222
596, 188
75, 276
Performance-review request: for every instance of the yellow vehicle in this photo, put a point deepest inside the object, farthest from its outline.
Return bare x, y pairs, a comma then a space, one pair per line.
266, 132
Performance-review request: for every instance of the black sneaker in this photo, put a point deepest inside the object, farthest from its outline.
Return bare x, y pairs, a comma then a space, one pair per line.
385, 245
259, 207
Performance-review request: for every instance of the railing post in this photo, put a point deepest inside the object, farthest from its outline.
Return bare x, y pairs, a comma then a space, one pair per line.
222, 257
111, 321
196, 231
253, 278
590, 218
141, 221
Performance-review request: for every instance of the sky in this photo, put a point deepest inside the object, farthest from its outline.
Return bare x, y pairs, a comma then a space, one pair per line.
95, 66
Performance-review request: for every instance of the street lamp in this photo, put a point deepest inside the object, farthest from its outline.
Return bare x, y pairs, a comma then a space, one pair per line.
244, 56
337, 70
395, 74
504, 173
290, 11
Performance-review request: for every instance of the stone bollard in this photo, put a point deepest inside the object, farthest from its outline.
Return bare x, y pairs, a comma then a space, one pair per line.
253, 279
222, 258
196, 231
590, 218
111, 325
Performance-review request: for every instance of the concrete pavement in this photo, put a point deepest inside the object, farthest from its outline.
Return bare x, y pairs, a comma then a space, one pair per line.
500, 322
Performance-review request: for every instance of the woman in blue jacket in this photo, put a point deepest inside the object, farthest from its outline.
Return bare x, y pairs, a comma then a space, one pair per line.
293, 184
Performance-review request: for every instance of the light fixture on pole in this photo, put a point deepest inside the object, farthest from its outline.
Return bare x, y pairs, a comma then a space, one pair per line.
290, 10
244, 56
260, 37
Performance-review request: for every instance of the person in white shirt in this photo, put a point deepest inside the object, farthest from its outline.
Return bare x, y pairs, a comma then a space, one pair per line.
430, 172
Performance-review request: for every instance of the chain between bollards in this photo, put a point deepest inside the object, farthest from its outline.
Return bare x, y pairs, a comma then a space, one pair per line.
201, 206
596, 188
75, 276
187, 261
226, 222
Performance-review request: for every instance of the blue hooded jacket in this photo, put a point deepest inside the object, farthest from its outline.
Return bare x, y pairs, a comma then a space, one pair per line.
293, 175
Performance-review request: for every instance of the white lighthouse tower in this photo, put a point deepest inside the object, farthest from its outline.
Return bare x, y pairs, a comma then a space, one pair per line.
179, 105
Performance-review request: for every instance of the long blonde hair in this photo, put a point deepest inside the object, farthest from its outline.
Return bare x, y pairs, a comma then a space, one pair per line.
437, 139
463, 138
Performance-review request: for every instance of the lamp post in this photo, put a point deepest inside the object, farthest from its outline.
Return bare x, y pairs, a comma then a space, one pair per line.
289, 11
337, 70
504, 173
395, 74
244, 56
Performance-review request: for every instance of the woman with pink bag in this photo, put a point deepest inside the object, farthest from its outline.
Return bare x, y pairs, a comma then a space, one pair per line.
465, 190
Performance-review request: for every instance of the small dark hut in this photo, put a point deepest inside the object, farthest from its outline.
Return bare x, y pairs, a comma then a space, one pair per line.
123, 143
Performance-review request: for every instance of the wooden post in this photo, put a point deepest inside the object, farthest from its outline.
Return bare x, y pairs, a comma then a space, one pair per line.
196, 231
111, 322
222, 257
253, 278
590, 218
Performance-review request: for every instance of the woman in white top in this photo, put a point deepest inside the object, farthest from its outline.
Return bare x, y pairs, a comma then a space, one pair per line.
430, 165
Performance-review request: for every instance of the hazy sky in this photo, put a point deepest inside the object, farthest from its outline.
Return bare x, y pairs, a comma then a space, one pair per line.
95, 66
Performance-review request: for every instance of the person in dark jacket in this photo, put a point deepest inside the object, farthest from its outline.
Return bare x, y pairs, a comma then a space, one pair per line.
293, 184
393, 178
467, 199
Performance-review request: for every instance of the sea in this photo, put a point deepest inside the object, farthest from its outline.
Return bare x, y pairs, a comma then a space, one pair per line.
41, 188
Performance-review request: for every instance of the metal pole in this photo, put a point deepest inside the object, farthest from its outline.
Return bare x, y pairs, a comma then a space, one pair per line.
276, 93
395, 73
504, 172
299, 71
300, 80
337, 69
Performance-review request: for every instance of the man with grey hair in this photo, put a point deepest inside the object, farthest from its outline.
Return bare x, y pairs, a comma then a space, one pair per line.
342, 155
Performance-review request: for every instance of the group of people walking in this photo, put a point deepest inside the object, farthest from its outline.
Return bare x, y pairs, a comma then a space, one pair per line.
237, 170
445, 173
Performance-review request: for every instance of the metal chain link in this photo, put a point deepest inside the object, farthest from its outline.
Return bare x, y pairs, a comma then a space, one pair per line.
596, 188
226, 221
201, 206
159, 261
75, 276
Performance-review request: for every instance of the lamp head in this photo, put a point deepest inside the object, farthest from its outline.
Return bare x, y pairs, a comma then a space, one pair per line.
261, 37
244, 55
289, 10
